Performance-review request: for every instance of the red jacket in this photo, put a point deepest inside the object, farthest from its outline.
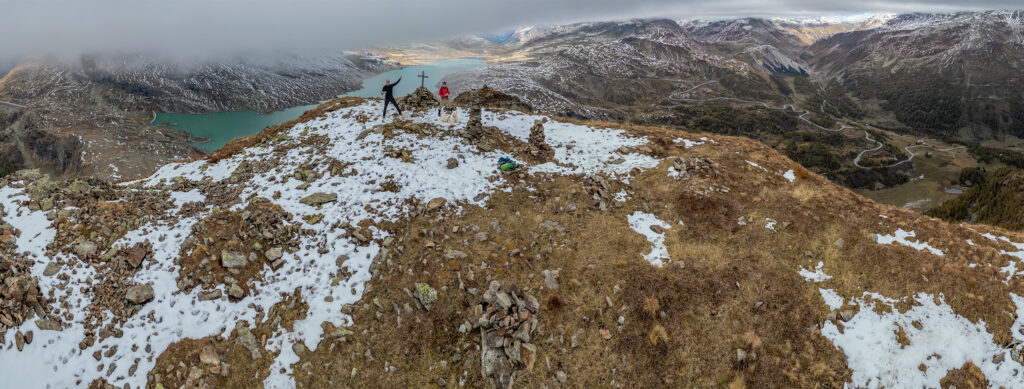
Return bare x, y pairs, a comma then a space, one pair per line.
444, 93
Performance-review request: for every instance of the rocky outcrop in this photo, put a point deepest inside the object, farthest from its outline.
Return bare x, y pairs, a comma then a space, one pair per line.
52, 152
488, 97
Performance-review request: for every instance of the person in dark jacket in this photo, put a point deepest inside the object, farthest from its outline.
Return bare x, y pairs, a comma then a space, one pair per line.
389, 97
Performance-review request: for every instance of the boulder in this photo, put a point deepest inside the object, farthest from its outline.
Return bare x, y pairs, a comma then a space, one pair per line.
136, 255
436, 203
274, 254
140, 294
425, 294
231, 259
236, 291
319, 198
86, 248
209, 356
248, 340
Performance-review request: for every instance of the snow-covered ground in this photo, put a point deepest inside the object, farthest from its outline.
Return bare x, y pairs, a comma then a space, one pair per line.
641, 222
939, 339
935, 336
55, 360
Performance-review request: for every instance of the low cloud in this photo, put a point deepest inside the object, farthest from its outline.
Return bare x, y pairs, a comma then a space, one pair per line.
193, 29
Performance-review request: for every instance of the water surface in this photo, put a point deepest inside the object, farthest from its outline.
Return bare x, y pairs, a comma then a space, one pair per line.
222, 127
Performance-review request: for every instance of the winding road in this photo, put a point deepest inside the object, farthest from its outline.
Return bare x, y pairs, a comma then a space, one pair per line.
856, 161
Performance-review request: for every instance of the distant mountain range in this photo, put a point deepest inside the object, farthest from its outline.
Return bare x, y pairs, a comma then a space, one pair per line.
956, 76
91, 116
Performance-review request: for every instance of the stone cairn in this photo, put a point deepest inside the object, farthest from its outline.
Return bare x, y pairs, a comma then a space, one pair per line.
599, 191
696, 165
538, 147
420, 99
506, 318
474, 133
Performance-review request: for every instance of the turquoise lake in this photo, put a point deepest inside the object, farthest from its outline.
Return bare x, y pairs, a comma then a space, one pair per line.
222, 127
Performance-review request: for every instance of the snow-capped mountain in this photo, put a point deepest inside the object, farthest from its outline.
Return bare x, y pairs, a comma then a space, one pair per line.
959, 74
580, 69
91, 116
141, 82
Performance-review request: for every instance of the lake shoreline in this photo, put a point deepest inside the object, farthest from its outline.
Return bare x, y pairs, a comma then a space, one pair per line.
224, 126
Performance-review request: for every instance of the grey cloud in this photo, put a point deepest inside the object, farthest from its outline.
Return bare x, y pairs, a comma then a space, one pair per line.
203, 28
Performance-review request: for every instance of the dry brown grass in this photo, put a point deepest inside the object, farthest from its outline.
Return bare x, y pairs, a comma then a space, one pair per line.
727, 286
695, 316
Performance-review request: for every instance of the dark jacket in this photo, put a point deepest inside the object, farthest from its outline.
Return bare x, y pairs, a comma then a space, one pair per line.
388, 89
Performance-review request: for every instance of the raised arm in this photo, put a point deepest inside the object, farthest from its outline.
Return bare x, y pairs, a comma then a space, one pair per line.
396, 82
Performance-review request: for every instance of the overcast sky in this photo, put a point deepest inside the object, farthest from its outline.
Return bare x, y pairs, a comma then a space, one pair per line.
202, 28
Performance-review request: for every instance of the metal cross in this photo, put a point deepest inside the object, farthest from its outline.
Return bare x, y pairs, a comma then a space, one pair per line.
423, 78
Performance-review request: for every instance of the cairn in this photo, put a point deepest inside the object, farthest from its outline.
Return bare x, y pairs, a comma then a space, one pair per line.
474, 133
419, 100
697, 165
506, 318
538, 147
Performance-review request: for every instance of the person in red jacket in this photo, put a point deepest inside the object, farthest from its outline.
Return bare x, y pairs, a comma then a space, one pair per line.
444, 93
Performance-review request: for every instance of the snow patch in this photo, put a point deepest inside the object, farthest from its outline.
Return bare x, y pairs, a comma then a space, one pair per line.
945, 341
900, 236
789, 175
832, 299
815, 276
641, 222
687, 143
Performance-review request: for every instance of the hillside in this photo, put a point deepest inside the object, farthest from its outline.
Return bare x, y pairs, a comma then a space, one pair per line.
996, 198
948, 75
605, 70
91, 117
151, 83
336, 251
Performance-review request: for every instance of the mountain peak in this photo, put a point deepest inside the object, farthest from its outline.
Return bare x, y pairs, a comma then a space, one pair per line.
318, 250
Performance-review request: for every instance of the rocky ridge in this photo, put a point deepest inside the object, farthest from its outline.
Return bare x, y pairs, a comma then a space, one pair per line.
362, 253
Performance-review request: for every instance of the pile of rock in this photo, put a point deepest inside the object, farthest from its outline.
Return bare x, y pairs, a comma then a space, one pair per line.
230, 248
419, 99
20, 298
538, 146
697, 165
506, 319
117, 292
474, 132
599, 190
491, 98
